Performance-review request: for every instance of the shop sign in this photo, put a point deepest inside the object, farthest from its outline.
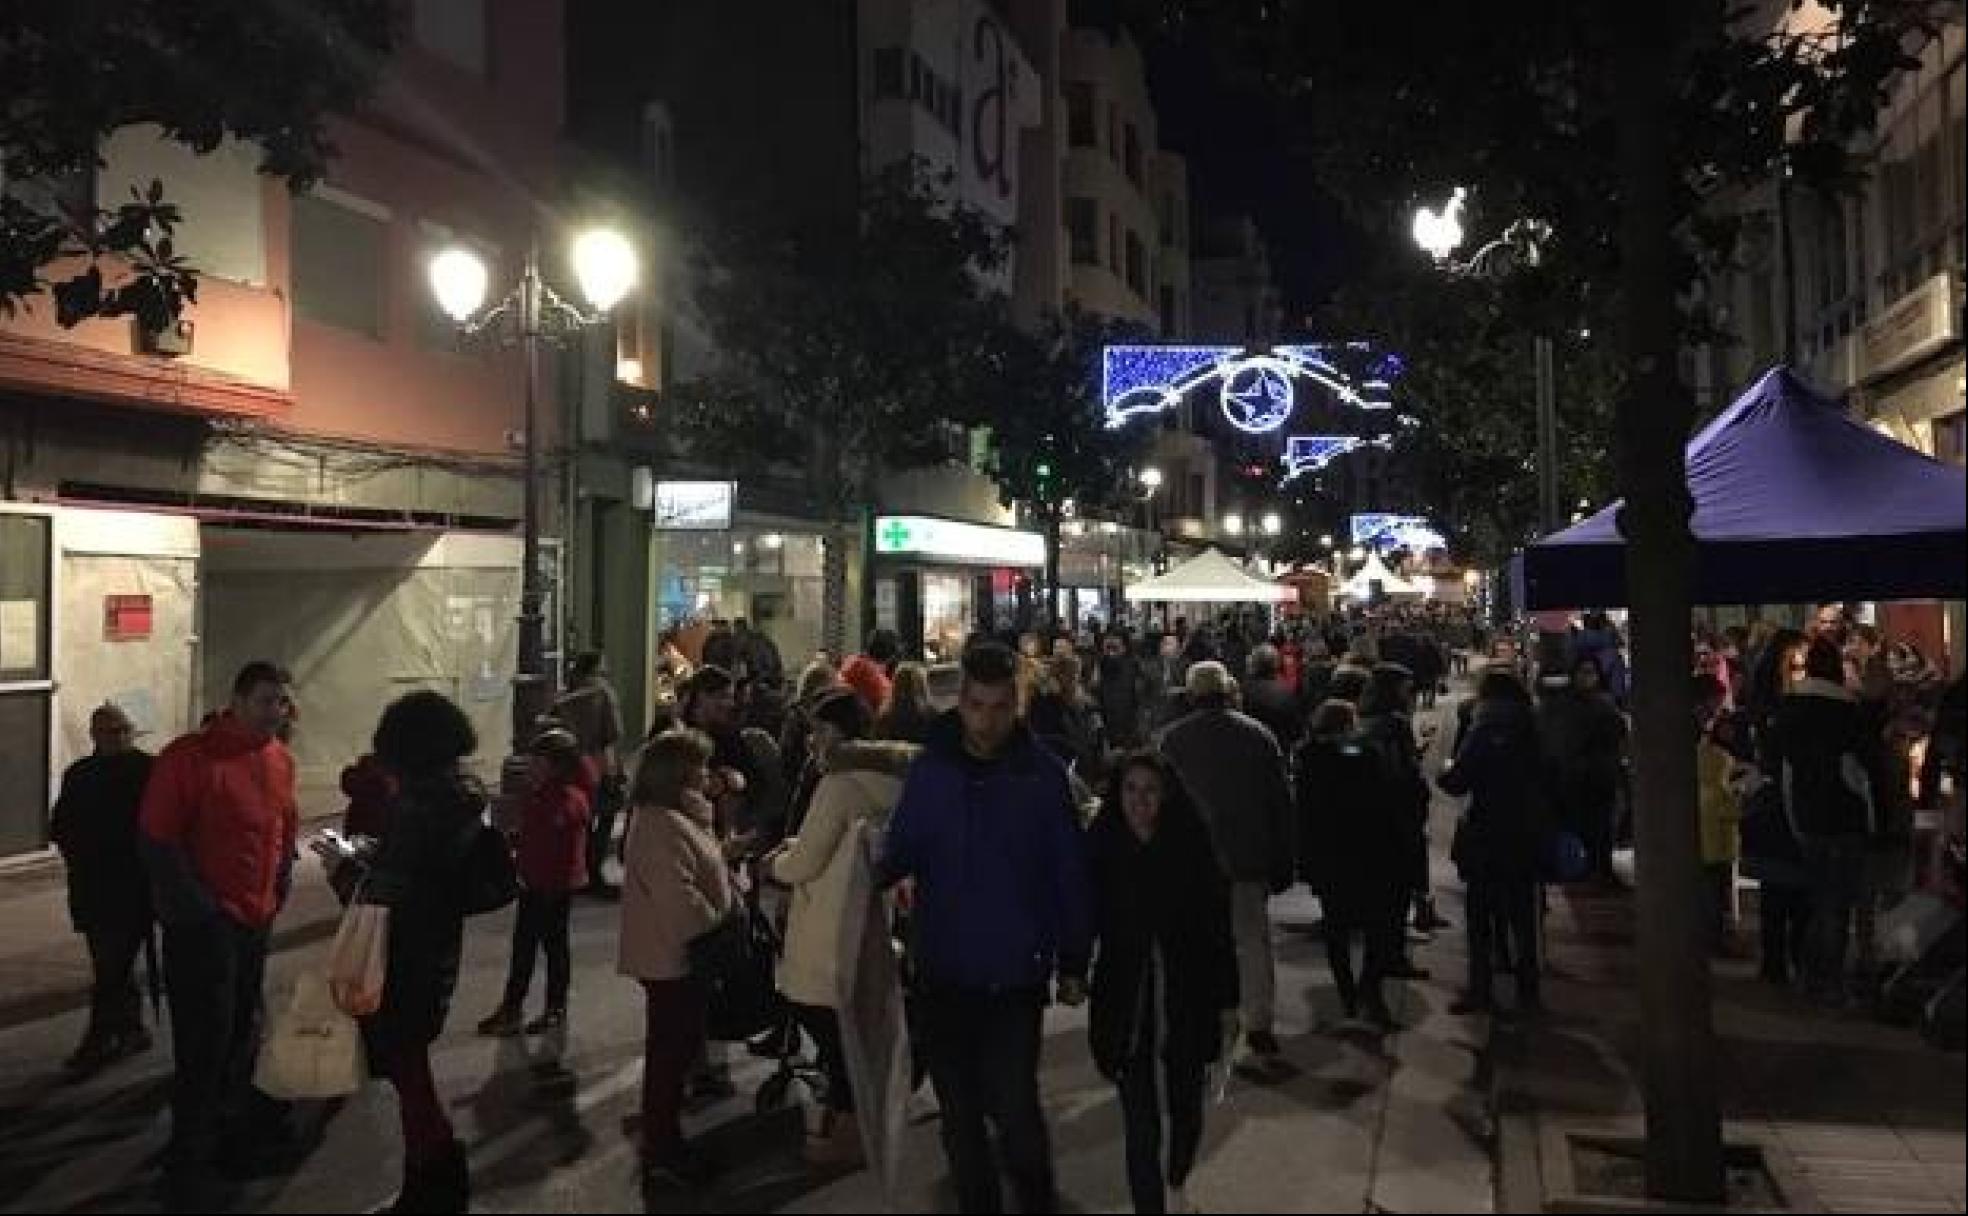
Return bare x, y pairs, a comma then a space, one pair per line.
949, 540
127, 618
695, 506
1918, 323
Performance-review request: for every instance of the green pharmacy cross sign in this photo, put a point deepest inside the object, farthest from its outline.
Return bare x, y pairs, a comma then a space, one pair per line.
895, 536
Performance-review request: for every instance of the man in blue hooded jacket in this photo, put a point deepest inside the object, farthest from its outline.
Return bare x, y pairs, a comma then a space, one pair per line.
987, 836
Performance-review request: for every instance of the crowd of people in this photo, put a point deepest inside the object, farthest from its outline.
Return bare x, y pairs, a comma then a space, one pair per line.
1102, 816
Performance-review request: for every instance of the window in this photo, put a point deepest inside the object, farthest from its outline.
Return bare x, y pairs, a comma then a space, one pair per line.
1083, 230
1131, 154
338, 249
888, 72
1136, 264
1081, 129
221, 194
452, 30
1114, 243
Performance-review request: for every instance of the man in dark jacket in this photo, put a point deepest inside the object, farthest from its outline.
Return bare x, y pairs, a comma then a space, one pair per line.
95, 827
1272, 701
985, 834
1232, 767
219, 821
1122, 689
1584, 737
1828, 763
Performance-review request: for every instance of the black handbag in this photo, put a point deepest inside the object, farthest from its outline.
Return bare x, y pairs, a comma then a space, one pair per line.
490, 878
733, 961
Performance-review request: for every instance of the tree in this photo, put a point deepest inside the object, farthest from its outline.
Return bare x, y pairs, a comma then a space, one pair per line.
843, 350
1049, 428
1613, 123
76, 72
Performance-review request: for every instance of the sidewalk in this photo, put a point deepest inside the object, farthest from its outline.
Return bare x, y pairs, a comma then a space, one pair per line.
1854, 1115
44, 967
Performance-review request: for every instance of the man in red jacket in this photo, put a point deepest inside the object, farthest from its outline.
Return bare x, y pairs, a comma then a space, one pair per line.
219, 822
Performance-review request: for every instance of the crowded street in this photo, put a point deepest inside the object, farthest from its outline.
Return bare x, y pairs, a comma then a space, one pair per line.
983, 605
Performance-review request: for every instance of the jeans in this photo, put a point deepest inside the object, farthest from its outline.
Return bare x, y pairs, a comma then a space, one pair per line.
1496, 906
115, 1006
1141, 1113
673, 1034
1837, 865
213, 970
427, 1132
1250, 924
601, 832
824, 1025
1785, 915
983, 1049
540, 925
1377, 924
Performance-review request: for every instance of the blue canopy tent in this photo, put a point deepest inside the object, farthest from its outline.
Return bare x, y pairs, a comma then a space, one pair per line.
1794, 503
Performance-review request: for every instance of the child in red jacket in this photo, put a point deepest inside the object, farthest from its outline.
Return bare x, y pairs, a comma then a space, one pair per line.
552, 855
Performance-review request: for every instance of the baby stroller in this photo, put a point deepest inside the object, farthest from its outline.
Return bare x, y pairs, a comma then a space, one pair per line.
777, 1036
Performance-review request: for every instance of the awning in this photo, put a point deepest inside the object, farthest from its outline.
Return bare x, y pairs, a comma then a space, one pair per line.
1794, 502
1363, 583
1210, 578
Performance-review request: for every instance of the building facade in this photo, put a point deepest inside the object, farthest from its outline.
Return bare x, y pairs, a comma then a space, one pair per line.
309, 469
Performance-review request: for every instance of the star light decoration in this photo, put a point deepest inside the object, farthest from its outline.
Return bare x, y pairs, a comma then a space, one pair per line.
1254, 389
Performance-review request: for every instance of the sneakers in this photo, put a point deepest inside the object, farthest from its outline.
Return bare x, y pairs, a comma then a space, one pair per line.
548, 1021
506, 1022
922, 1107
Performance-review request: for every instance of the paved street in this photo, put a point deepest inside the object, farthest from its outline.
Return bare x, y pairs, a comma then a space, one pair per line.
1359, 1124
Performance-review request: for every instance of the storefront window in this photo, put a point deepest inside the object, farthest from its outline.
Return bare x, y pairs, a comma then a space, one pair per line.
772, 579
948, 613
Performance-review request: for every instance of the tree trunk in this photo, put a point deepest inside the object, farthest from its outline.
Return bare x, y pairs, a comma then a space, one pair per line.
1684, 1129
1050, 612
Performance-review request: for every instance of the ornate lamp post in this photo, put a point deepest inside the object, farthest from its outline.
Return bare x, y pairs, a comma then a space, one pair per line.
531, 315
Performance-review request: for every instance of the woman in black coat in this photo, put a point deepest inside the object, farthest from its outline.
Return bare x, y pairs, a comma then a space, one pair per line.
1165, 970
1354, 854
419, 875
1497, 843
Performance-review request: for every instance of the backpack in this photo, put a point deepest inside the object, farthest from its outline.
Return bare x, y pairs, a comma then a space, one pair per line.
489, 877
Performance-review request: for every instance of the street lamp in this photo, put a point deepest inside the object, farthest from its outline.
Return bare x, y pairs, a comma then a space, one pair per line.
1440, 234
531, 314
1233, 524
1273, 523
1325, 541
1151, 479
1359, 553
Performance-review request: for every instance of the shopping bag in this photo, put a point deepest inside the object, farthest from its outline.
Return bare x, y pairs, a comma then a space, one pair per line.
359, 959
312, 1050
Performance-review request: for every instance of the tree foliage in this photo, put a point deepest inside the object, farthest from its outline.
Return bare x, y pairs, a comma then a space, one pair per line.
77, 71
1517, 102
843, 350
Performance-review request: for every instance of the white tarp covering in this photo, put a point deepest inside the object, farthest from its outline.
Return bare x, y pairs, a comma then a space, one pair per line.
360, 620
123, 553
1210, 578
1361, 585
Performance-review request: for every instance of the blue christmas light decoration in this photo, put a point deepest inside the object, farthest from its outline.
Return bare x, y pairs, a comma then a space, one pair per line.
1138, 380
1383, 531
1255, 391
1312, 453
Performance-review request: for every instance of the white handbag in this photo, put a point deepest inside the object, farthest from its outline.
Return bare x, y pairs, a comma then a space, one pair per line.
313, 1050
358, 962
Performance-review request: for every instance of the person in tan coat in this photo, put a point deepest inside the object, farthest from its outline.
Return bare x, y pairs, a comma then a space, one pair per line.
675, 887
860, 784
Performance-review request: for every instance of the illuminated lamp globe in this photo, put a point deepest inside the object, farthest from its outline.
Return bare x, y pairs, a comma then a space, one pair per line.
458, 278
605, 264
1233, 525
1273, 524
1152, 478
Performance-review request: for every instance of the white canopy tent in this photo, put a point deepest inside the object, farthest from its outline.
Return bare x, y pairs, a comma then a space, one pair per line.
1210, 578
1361, 585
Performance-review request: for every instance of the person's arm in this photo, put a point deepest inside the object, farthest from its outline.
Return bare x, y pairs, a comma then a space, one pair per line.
62, 820
1072, 889
901, 851
165, 820
807, 855
1458, 778
1278, 815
